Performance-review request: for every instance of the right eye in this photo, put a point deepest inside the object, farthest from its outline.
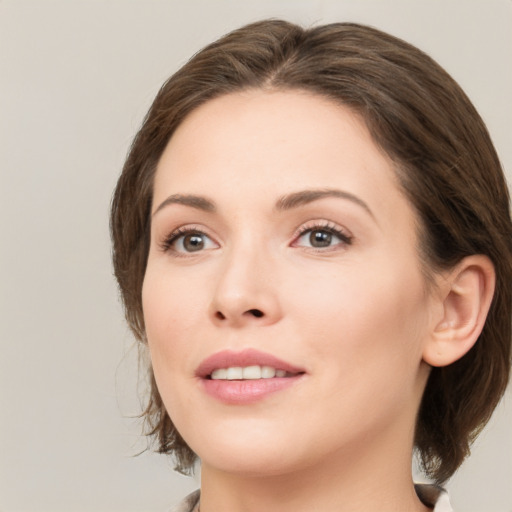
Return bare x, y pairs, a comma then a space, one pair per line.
186, 241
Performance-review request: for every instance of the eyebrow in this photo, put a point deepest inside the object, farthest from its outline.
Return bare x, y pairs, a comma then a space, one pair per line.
198, 202
286, 202
296, 199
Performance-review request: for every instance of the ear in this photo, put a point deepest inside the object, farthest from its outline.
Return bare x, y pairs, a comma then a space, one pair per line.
466, 294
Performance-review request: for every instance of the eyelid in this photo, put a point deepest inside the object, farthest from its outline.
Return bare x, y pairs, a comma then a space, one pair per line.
166, 245
341, 232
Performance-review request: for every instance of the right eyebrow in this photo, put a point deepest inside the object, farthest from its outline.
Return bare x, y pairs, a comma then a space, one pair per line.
198, 202
303, 197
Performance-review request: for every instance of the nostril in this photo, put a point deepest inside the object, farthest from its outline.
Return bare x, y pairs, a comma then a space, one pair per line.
256, 313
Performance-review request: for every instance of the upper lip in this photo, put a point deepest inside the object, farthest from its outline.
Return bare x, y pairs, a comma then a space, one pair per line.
247, 357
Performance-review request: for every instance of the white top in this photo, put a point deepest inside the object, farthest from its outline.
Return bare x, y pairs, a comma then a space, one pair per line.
430, 495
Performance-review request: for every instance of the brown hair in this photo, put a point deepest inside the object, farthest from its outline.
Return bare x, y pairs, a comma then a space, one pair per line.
445, 162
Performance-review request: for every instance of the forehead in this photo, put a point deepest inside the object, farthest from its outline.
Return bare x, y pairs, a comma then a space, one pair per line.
252, 143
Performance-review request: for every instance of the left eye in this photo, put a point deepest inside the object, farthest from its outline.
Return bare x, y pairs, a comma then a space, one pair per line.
193, 241
321, 237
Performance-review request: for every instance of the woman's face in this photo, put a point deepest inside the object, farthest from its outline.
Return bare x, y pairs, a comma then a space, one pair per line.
280, 241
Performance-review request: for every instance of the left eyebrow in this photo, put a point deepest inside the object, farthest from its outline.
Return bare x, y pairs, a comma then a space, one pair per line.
296, 199
198, 202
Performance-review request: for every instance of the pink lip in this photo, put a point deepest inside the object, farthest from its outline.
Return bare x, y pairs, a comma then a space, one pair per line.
247, 357
241, 392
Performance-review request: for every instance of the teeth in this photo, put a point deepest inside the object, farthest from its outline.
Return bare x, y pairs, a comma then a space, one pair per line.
234, 373
254, 372
221, 373
267, 372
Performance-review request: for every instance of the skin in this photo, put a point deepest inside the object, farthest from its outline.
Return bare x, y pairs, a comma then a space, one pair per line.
355, 315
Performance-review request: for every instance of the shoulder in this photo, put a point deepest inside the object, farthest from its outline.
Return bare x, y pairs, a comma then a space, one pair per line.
187, 504
430, 495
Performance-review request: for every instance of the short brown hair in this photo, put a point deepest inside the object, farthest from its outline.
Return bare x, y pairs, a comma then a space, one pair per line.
445, 161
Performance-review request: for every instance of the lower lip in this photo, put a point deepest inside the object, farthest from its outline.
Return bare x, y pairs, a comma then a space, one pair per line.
241, 392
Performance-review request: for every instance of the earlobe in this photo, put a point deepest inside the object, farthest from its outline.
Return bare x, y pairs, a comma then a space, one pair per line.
466, 296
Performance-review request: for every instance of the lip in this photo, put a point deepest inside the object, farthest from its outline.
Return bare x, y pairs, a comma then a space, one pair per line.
247, 357
240, 392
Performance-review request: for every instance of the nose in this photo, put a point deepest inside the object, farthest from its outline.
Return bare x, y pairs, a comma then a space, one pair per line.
246, 292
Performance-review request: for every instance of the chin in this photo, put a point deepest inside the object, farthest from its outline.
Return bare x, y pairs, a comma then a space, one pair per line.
251, 464
257, 456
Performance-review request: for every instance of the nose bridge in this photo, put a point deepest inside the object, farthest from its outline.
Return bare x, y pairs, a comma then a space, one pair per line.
245, 290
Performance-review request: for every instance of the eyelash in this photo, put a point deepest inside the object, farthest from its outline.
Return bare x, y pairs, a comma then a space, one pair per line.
168, 242
326, 226
329, 227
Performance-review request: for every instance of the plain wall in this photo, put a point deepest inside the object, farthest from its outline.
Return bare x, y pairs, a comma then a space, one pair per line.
76, 78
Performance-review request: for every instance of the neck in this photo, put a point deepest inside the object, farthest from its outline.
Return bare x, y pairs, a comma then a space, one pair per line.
352, 480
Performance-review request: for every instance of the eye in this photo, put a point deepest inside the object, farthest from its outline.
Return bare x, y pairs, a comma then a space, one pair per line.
322, 237
186, 241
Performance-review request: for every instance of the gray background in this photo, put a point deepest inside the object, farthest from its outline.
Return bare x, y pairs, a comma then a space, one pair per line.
76, 78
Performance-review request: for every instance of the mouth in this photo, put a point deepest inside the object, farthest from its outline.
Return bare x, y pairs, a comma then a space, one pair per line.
254, 372
246, 377
249, 364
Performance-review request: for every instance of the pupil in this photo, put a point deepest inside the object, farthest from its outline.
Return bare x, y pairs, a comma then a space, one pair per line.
320, 238
193, 242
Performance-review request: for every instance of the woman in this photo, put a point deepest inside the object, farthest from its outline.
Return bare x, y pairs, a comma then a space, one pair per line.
312, 235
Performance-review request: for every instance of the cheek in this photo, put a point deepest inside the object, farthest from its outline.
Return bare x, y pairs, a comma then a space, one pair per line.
171, 304
367, 317
162, 308
155, 306
169, 319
